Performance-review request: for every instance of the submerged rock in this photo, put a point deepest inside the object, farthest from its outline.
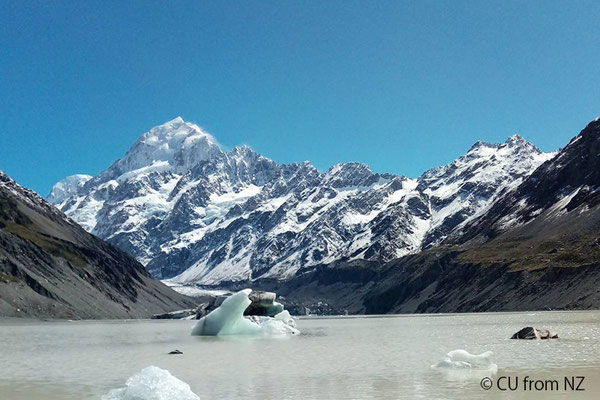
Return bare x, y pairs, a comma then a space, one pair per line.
531, 333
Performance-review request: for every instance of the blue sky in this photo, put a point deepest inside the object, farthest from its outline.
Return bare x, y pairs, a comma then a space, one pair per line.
400, 85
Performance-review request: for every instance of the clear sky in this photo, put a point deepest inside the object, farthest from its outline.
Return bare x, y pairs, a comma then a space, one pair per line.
399, 85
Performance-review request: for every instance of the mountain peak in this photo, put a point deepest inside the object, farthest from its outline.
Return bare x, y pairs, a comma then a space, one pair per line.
516, 139
514, 144
350, 174
67, 187
246, 154
176, 120
348, 168
175, 144
481, 144
243, 149
173, 132
593, 126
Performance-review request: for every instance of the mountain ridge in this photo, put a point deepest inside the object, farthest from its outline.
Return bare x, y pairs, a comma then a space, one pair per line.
51, 267
537, 247
200, 214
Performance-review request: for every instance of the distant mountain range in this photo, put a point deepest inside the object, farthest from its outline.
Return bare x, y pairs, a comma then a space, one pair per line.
504, 227
194, 213
51, 267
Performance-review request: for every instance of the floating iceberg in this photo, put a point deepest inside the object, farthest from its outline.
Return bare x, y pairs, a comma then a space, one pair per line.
463, 360
152, 383
228, 319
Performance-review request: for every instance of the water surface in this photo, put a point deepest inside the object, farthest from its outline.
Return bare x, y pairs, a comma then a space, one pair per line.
334, 358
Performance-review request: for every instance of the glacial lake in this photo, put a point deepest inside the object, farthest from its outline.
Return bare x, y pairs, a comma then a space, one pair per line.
374, 357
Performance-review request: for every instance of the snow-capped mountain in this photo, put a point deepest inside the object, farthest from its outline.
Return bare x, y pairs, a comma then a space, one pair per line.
562, 191
535, 246
462, 189
190, 211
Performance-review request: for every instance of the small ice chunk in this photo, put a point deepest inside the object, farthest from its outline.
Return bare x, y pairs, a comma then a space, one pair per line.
286, 318
462, 359
480, 360
280, 324
448, 363
152, 383
228, 319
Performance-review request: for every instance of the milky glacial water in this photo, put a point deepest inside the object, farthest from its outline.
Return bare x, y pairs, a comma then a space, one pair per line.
387, 357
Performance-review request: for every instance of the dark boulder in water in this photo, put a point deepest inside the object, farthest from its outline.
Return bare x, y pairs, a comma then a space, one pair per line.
531, 333
176, 352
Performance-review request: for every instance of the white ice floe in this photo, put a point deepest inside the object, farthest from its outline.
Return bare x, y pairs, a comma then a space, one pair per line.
228, 319
463, 360
152, 383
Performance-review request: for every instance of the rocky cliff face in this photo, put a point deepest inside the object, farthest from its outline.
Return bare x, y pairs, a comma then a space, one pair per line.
51, 267
192, 212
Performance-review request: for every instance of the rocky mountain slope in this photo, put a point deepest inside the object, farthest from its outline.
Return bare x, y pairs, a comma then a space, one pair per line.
567, 186
461, 190
190, 211
536, 247
51, 267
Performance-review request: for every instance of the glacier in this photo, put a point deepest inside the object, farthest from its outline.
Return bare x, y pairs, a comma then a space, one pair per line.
228, 319
152, 383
